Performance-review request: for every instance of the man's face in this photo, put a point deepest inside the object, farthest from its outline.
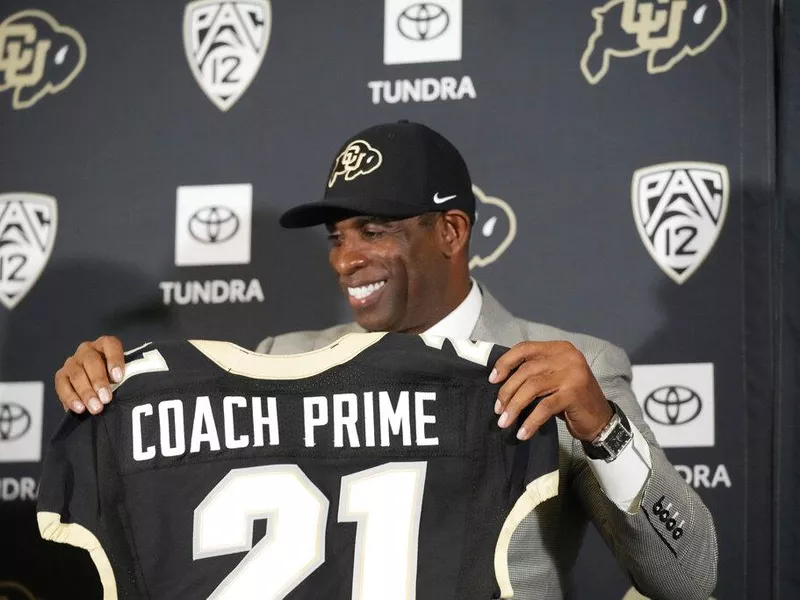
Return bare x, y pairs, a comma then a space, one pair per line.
392, 272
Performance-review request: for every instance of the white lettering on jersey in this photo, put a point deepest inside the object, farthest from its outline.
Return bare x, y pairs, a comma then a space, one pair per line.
398, 420
310, 421
421, 419
339, 420
259, 421
139, 453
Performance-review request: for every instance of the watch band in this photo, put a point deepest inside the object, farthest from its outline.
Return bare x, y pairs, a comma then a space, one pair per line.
612, 440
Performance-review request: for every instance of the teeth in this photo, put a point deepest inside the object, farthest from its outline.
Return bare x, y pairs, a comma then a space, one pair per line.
365, 290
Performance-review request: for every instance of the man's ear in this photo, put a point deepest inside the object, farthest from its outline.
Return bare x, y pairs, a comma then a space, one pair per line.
454, 232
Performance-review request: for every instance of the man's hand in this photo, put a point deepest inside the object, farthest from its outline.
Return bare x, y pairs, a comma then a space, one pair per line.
557, 375
83, 381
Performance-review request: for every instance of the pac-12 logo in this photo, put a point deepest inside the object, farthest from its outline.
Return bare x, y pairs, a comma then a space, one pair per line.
225, 43
679, 209
28, 225
38, 56
666, 30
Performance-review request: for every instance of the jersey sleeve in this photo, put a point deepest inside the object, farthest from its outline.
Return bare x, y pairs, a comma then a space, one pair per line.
78, 502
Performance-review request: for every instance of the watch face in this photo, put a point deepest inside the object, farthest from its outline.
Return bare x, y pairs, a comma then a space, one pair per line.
617, 439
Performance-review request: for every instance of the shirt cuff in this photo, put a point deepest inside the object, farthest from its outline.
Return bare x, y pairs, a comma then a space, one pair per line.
623, 480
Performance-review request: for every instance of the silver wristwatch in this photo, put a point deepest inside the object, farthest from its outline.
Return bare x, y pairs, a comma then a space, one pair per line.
613, 439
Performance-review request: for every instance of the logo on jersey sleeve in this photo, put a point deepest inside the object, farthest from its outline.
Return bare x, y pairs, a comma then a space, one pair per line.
225, 43
494, 230
38, 56
359, 158
679, 209
28, 225
666, 31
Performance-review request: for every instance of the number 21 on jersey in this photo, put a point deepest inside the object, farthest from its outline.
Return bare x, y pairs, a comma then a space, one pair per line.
385, 502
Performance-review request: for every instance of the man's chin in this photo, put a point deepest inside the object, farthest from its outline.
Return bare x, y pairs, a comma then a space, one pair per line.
372, 320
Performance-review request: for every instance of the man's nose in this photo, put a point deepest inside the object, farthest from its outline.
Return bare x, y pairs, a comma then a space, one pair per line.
347, 258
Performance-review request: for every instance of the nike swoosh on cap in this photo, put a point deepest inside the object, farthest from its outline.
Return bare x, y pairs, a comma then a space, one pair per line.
437, 200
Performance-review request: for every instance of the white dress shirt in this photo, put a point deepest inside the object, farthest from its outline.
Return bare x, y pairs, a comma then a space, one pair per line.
623, 479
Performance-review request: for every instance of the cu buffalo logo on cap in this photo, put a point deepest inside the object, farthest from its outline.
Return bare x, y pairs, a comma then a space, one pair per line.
673, 405
667, 31
422, 22
359, 158
15, 421
213, 224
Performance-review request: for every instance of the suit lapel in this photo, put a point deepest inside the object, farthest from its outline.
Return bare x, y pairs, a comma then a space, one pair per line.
495, 323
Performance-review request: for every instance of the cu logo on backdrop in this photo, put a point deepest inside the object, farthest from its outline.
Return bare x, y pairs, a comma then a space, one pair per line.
38, 56
673, 405
15, 421
666, 31
423, 21
213, 224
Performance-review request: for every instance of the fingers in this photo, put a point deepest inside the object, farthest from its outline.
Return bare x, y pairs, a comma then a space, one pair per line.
83, 382
73, 386
546, 409
67, 395
111, 347
539, 371
522, 390
528, 351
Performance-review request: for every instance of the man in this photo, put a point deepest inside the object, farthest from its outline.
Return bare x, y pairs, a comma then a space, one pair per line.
399, 208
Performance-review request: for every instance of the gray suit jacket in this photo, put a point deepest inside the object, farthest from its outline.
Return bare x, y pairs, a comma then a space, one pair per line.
545, 545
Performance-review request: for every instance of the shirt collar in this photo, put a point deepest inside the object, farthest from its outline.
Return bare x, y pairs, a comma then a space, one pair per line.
460, 323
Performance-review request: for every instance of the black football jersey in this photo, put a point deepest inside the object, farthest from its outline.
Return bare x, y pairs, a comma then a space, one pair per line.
370, 469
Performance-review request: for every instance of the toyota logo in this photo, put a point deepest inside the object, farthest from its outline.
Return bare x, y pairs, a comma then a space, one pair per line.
213, 224
15, 421
672, 405
422, 22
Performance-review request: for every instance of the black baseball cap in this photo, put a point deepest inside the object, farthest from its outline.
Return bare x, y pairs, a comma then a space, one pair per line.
394, 170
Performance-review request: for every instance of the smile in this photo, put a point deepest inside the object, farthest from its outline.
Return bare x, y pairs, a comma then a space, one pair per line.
365, 291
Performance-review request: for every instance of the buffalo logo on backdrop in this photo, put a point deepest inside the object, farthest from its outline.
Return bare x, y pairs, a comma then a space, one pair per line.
666, 31
679, 209
422, 32
21, 411
678, 402
38, 56
358, 158
213, 226
494, 230
225, 43
28, 224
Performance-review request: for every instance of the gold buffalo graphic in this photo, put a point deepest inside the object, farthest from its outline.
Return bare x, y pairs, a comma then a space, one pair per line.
495, 228
665, 30
359, 158
38, 56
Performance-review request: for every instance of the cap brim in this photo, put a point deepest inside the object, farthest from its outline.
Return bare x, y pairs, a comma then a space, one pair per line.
330, 211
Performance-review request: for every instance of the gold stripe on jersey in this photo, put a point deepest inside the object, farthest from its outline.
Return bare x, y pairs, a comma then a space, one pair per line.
537, 491
240, 361
51, 528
